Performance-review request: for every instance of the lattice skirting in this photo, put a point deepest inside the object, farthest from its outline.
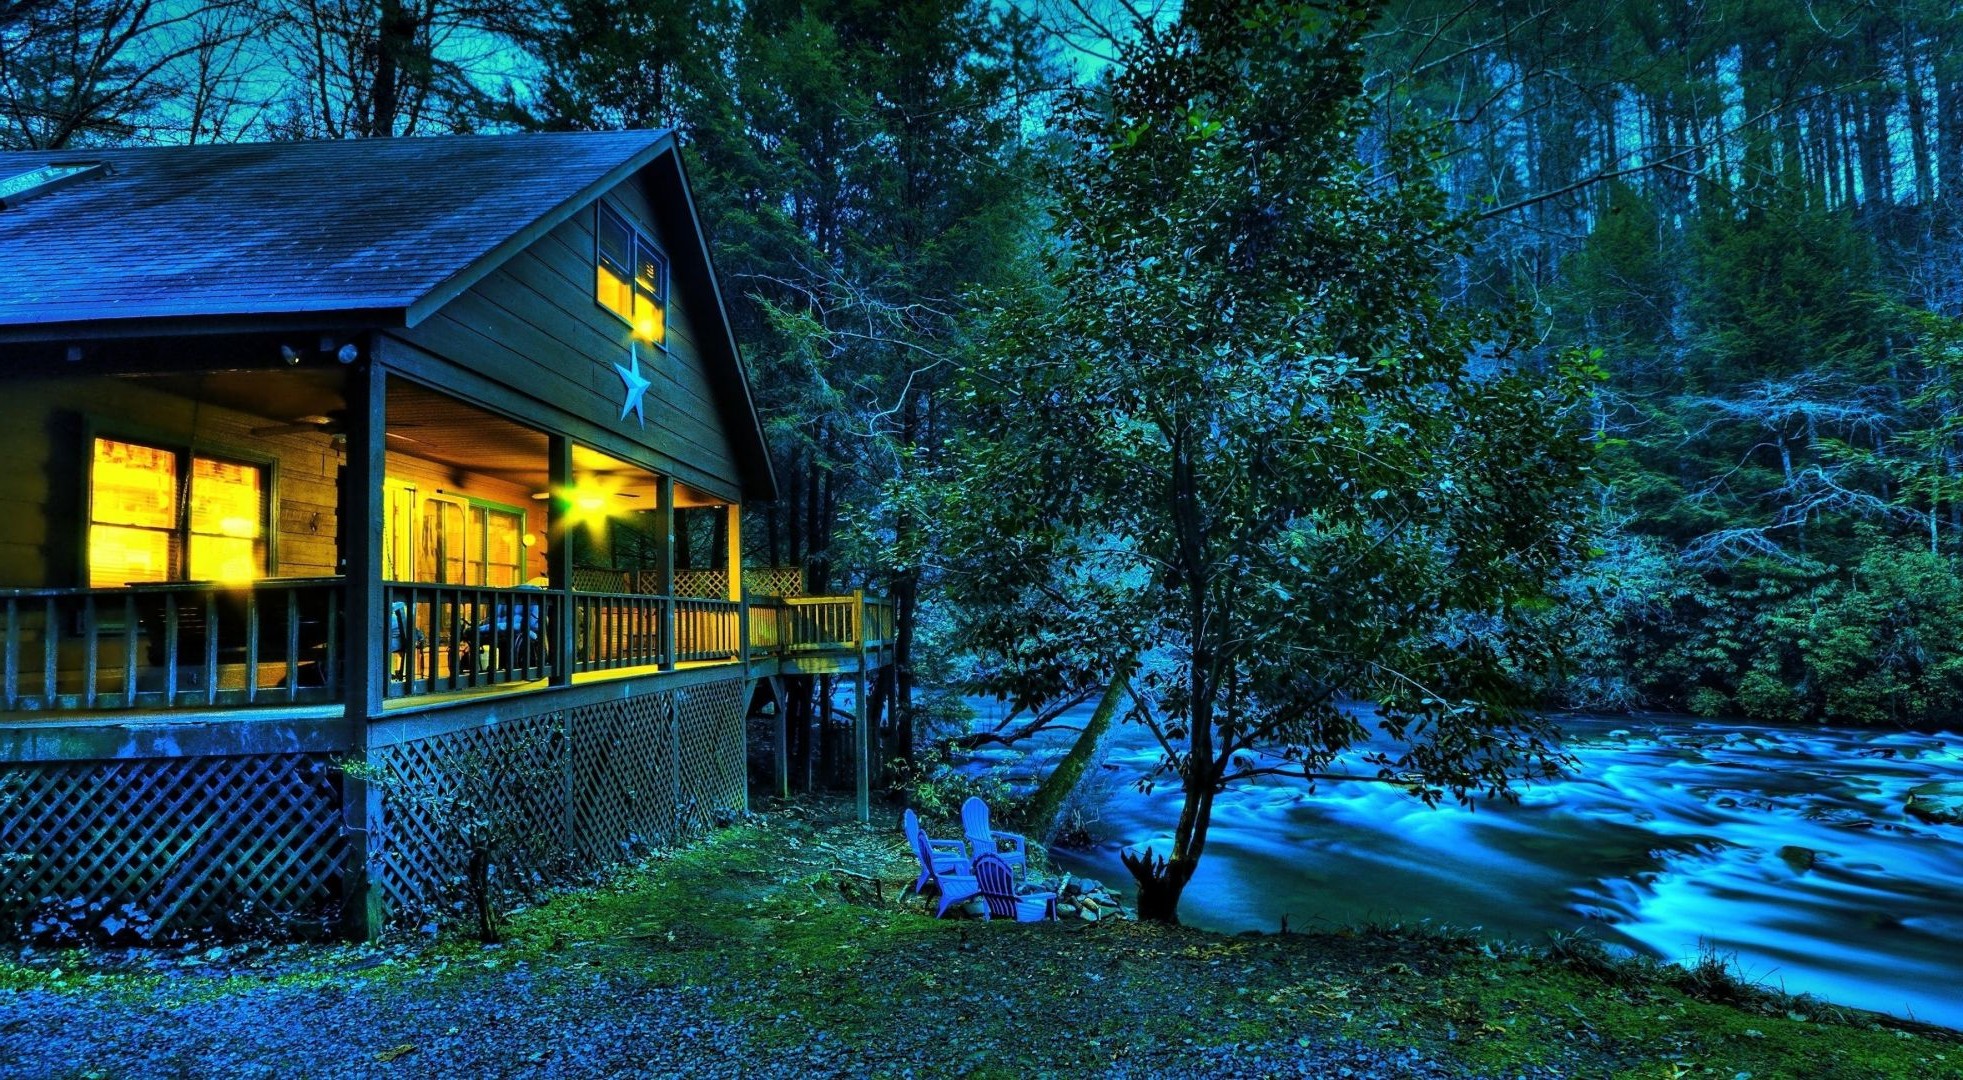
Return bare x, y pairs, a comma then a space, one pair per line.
554, 793
143, 848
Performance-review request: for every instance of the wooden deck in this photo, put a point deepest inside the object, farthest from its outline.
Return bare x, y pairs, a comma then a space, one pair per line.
109, 673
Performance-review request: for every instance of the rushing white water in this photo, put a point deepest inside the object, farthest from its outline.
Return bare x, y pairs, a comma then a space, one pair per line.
1789, 849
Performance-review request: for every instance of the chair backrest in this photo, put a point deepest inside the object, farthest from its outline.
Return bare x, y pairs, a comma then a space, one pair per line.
918, 839
998, 889
910, 826
974, 825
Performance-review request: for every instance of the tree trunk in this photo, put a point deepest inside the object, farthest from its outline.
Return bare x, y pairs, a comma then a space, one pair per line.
1047, 802
1161, 880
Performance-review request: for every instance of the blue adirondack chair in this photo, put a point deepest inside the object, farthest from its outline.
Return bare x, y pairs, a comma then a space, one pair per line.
948, 856
983, 840
955, 880
999, 894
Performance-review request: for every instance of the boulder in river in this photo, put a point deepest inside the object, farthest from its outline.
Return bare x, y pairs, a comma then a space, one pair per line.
1938, 803
1801, 859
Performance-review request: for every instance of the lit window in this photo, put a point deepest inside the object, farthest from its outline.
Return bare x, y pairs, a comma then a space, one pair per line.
132, 514
146, 524
632, 277
227, 521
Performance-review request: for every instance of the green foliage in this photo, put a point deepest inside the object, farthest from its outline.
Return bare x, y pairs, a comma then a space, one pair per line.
936, 790
1239, 429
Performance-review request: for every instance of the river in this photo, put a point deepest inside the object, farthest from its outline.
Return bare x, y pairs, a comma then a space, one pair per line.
1787, 849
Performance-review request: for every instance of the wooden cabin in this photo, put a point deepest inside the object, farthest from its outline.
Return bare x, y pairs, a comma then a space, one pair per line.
351, 483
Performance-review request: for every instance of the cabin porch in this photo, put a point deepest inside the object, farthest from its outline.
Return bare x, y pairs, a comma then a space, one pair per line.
193, 666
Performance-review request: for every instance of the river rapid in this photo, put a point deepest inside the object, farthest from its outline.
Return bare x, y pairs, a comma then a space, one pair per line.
1788, 849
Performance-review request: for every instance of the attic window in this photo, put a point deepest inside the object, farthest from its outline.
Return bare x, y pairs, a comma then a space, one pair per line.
632, 277
21, 187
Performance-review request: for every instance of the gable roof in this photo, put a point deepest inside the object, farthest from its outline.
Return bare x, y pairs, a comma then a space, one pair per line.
377, 231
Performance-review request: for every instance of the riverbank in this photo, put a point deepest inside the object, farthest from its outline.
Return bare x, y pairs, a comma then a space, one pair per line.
761, 951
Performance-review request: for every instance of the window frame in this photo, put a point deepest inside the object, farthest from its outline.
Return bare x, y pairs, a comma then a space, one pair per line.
638, 241
490, 507
183, 450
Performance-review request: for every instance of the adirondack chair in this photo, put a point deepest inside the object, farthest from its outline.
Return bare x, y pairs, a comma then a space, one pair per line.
955, 882
999, 894
983, 840
947, 856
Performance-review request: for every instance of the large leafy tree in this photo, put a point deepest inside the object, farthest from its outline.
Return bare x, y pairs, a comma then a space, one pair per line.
1239, 408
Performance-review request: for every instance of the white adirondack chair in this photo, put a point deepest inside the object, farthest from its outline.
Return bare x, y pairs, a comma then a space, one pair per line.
946, 856
983, 840
954, 880
1000, 898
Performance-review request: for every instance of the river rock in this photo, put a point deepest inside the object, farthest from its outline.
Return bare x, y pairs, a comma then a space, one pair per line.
1088, 913
1938, 803
1799, 858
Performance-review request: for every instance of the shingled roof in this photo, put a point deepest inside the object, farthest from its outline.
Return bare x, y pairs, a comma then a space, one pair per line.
287, 228
377, 232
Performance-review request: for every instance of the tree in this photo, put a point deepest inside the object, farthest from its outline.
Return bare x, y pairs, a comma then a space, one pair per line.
357, 69
1239, 400
76, 72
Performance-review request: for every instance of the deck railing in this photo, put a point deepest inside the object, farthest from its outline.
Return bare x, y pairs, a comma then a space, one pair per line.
820, 623
708, 630
184, 645
442, 638
619, 630
277, 641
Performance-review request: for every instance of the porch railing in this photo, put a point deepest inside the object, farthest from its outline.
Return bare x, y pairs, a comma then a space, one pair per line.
184, 645
819, 623
443, 638
206, 645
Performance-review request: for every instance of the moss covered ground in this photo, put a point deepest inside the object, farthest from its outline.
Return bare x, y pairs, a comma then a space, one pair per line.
788, 938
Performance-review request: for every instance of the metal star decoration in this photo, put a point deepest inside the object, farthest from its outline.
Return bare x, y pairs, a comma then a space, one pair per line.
637, 385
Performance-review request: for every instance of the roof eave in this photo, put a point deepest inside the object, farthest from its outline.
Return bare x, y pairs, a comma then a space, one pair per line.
242, 320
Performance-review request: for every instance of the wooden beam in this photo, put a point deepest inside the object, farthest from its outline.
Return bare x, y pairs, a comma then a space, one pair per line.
780, 755
363, 518
861, 740
665, 568
559, 557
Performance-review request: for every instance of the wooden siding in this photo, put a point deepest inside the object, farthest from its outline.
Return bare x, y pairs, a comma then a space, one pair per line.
533, 325
43, 433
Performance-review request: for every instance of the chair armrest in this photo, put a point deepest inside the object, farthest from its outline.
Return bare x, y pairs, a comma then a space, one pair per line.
955, 845
1036, 896
1022, 845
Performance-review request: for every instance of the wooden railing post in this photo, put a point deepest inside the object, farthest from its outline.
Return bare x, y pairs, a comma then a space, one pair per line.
665, 568
363, 516
559, 559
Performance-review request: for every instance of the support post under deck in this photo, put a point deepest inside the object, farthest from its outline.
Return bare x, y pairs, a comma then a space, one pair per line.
861, 742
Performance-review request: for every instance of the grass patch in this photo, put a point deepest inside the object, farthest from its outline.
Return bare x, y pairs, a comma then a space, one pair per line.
794, 929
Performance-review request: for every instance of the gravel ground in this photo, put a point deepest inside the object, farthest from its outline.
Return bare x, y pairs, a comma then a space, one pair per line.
567, 1020
516, 1023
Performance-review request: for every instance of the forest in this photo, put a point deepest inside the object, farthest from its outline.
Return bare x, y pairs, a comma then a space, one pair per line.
1491, 468
1746, 213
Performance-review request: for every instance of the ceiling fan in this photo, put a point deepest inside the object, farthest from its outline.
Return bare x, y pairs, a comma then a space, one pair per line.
334, 424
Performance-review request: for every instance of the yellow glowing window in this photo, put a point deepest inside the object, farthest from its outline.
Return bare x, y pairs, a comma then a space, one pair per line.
147, 524
228, 514
132, 513
631, 277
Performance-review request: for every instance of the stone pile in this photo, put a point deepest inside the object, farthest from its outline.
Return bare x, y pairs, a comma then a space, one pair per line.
1083, 898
